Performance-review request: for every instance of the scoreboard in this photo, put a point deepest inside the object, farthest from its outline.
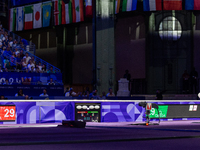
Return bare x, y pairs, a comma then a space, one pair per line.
7, 113
88, 112
176, 111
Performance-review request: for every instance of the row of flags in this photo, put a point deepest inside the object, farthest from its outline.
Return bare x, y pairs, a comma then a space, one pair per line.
71, 11
156, 5
39, 15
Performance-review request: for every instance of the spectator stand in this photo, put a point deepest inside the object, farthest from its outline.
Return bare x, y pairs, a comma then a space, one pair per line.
29, 47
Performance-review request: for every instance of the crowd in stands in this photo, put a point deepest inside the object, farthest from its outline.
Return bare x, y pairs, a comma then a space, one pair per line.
70, 93
13, 57
89, 95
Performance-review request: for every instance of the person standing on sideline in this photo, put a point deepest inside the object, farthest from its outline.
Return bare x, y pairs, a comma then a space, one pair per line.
194, 80
185, 79
159, 95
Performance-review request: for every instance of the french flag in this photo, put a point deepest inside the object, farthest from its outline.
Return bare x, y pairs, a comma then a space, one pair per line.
152, 5
192, 4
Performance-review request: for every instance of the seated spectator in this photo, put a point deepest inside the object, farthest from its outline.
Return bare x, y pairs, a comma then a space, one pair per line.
18, 62
110, 93
80, 95
26, 80
6, 82
24, 42
67, 90
51, 70
51, 82
5, 70
13, 61
30, 65
44, 93
22, 54
40, 66
26, 97
37, 70
14, 45
3, 50
20, 93
70, 93
8, 66
103, 96
24, 64
1, 35
33, 59
2, 97
87, 94
32, 69
27, 57
27, 71
44, 68
6, 63
7, 52
93, 95
10, 42
5, 42
22, 45
4, 35
16, 51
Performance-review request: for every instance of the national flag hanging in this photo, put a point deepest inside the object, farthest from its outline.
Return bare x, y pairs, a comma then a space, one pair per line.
57, 12
12, 15
28, 21
172, 4
192, 4
37, 10
77, 10
117, 6
19, 18
46, 10
152, 5
66, 12
88, 8
129, 5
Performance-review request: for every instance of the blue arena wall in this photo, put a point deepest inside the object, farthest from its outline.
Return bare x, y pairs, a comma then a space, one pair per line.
54, 111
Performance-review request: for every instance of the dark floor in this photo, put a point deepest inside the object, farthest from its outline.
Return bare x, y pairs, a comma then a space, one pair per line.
168, 135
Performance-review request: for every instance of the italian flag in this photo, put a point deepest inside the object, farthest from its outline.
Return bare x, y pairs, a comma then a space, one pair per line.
77, 10
57, 12
88, 8
129, 5
117, 6
66, 12
172, 4
12, 15
28, 22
